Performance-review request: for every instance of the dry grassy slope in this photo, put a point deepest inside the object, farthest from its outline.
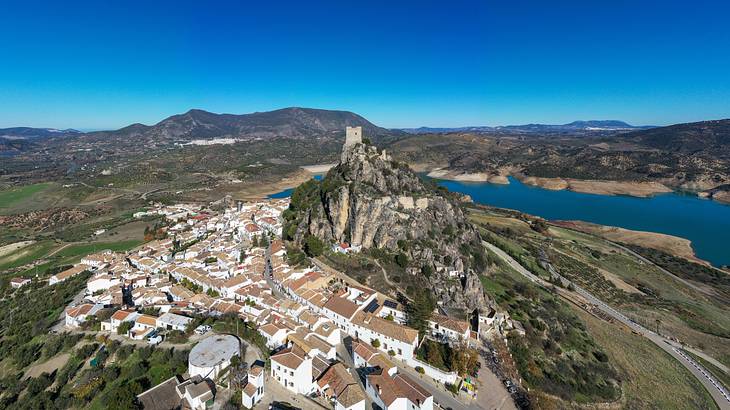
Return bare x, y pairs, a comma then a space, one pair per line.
688, 313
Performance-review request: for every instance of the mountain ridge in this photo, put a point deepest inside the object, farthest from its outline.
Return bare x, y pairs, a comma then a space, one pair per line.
291, 122
35, 133
579, 125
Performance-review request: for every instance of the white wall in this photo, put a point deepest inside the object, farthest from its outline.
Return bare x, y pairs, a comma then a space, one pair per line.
433, 372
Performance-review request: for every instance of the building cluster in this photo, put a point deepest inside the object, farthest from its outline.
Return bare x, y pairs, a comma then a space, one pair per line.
233, 262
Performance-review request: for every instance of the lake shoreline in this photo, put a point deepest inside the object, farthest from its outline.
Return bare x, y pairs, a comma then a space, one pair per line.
638, 189
706, 224
586, 186
671, 244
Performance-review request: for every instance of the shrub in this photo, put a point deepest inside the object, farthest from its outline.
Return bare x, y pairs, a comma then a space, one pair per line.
420, 370
124, 327
375, 343
313, 246
453, 388
401, 259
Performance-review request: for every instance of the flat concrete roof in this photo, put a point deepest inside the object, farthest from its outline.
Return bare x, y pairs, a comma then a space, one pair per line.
213, 350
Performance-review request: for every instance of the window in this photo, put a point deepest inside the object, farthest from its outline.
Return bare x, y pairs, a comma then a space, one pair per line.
400, 352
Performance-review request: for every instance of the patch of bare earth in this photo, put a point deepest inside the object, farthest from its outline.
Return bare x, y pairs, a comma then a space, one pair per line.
672, 245
8, 249
48, 366
638, 189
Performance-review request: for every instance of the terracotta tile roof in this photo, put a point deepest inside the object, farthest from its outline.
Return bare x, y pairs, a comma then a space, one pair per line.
459, 326
341, 306
249, 390
255, 370
364, 349
269, 329
319, 366
325, 329
291, 357
341, 385
120, 314
395, 387
80, 310
386, 327
147, 320
317, 343
70, 272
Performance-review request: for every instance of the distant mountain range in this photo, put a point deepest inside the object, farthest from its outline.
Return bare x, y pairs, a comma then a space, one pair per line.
301, 123
575, 126
291, 122
34, 133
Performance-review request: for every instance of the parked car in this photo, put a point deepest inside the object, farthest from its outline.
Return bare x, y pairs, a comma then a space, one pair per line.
203, 329
155, 340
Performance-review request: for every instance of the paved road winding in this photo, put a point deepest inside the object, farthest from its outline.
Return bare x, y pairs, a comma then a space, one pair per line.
716, 390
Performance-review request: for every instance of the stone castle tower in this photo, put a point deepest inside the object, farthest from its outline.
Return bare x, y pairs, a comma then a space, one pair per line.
353, 136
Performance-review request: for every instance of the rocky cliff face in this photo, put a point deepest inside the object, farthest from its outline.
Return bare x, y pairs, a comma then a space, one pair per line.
372, 201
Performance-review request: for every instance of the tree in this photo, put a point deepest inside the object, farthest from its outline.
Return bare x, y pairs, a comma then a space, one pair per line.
427, 270
401, 259
463, 359
313, 246
124, 397
375, 343
419, 310
434, 355
124, 328
539, 226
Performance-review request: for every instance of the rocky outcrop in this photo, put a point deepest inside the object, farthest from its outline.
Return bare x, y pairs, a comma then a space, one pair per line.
372, 201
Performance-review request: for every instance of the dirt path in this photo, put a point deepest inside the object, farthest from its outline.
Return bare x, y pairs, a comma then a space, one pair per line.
59, 249
48, 366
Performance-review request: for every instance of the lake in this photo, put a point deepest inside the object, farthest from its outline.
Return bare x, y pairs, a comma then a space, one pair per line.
704, 222
287, 192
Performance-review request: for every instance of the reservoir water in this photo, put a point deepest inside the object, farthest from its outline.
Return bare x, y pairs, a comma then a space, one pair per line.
704, 222
287, 192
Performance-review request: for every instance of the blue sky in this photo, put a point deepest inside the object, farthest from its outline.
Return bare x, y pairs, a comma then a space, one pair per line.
106, 64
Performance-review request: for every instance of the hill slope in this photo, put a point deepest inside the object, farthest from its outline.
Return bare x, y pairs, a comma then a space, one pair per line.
710, 136
287, 122
33, 133
379, 204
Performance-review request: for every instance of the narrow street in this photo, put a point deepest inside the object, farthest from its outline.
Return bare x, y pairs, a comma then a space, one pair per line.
716, 390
